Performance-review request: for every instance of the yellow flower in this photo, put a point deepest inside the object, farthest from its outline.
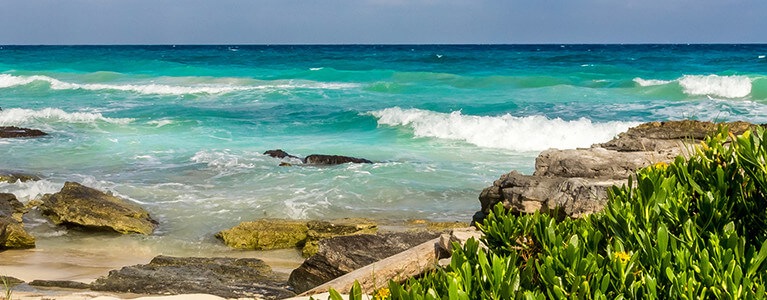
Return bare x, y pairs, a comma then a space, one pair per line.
623, 257
661, 165
382, 294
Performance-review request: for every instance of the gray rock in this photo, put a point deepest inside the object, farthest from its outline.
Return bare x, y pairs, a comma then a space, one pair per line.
576, 181
340, 255
12, 233
86, 207
224, 277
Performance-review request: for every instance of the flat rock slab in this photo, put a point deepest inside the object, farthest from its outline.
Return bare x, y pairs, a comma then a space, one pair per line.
86, 207
12, 177
19, 132
340, 255
224, 277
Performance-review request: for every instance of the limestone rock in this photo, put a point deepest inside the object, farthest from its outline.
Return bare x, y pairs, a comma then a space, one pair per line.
340, 255
18, 132
278, 153
265, 234
75, 285
576, 181
86, 207
224, 277
12, 233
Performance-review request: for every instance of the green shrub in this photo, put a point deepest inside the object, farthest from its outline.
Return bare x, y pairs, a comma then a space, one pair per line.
692, 229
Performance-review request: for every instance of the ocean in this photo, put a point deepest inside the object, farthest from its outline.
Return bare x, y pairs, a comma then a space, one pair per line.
181, 129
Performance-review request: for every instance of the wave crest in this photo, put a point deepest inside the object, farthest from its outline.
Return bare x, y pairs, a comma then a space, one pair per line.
531, 133
731, 87
215, 87
17, 116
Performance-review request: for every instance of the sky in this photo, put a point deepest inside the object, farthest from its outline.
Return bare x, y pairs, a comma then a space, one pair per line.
75, 22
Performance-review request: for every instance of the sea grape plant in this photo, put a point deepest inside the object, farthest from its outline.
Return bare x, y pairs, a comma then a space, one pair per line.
692, 229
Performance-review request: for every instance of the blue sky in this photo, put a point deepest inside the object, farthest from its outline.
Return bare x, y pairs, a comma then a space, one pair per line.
381, 21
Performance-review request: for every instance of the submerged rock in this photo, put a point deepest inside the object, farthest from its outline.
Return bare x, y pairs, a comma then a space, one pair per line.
340, 255
576, 181
86, 207
12, 233
278, 153
19, 132
224, 277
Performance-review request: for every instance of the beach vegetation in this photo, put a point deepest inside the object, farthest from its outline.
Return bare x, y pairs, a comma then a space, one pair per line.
695, 228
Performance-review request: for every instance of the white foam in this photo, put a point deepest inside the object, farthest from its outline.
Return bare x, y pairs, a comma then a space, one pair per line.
17, 116
217, 86
29, 190
715, 85
160, 123
532, 133
651, 82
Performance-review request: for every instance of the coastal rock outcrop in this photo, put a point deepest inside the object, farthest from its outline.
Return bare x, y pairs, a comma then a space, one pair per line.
318, 159
340, 255
270, 234
12, 233
575, 181
19, 132
224, 277
86, 207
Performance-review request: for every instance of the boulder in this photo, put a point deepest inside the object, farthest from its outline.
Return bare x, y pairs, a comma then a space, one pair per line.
340, 255
265, 234
224, 277
12, 233
321, 159
89, 208
18, 132
575, 181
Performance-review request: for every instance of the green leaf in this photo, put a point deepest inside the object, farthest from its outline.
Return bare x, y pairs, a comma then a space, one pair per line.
334, 295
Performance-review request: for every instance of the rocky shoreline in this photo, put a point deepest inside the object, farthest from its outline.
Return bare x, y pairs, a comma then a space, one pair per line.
568, 182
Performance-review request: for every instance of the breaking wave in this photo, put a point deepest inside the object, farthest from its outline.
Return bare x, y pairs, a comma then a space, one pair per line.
216, 87
18, 116
531, 133
731, 87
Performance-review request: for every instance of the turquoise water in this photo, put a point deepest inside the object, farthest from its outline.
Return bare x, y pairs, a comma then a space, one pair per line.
181, 129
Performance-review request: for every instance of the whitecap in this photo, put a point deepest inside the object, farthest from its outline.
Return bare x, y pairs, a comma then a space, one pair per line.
17, 116
651, 82
530, 133
715, 85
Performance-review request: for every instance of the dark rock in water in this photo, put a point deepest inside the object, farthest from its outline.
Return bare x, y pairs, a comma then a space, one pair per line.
278, 153
224, 277
576, 181
12, 233
18, 132
317, 159
86, 207
12, 177
320, 159
61, 284
340, 255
